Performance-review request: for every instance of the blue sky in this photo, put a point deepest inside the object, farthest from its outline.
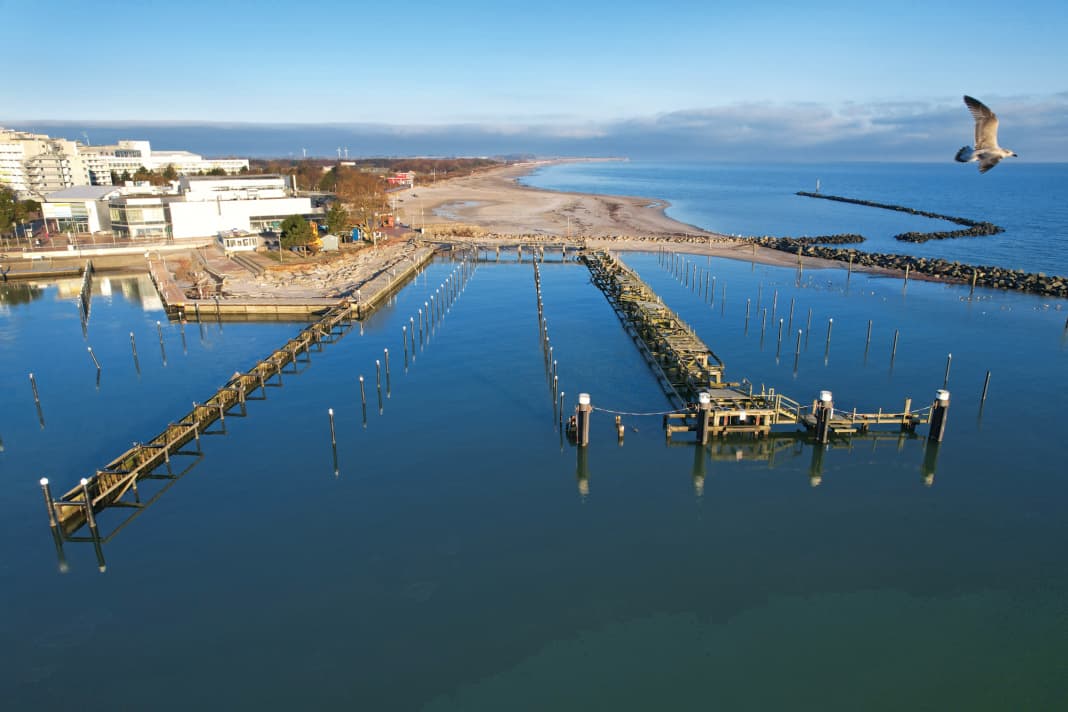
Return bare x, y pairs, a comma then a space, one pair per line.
726, 74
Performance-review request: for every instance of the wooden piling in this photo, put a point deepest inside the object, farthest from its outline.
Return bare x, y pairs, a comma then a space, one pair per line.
986, 385
49, 502
95, 362
582, 412
824, 413
939, 410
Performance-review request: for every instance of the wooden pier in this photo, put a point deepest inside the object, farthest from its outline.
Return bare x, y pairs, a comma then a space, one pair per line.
682, 363
111, 485
692, 377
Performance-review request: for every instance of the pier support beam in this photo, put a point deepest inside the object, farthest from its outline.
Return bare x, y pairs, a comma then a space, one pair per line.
824, 412
704, 411
938, 416
582, 412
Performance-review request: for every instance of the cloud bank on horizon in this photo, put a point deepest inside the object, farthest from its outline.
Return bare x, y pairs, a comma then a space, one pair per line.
749, 131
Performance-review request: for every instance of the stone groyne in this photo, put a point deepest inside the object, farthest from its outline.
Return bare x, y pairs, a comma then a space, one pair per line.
973, 228
982, 275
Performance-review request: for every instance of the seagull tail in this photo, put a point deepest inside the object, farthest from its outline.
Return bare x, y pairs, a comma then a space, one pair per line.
965, 154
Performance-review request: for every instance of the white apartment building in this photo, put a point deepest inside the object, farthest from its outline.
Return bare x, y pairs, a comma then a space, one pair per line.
129, 156
34, 164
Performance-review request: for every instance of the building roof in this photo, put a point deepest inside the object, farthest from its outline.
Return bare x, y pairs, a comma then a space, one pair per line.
240, 176
83, 192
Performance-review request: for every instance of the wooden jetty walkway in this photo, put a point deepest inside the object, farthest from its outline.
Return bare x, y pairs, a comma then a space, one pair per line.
110, 485
692, 377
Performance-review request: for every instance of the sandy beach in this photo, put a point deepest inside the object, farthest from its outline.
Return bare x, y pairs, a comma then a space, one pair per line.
495, 202
491, 207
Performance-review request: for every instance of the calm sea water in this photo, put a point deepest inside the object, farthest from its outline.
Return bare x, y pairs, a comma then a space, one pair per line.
464, 557
759, 199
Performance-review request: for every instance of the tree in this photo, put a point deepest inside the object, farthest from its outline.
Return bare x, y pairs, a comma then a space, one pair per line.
337, 218
8, 208
296, 232
13, 210
169, 172
217, 172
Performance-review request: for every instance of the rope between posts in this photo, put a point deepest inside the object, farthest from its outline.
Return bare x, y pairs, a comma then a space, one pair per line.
623, 412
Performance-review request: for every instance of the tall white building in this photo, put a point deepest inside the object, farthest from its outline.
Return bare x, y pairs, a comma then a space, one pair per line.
34, 164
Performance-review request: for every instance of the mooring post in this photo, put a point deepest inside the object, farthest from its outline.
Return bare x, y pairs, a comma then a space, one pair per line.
95, 362
162, 350
49, 502
420, 326
949, 360
986, 385
133, 347
824, 412
830, 325
560, 410
704, 410
906, 282
906, 418
867, 339
790, 322
747, 314
938, 415
385, 356
893, 347
333, 436
89, 514
778, 346
36, 395
797, 346
583, 412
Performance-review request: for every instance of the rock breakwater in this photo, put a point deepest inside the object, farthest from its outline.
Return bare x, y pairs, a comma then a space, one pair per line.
974, 228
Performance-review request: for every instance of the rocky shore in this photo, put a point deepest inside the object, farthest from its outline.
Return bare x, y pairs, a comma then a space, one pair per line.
983, 275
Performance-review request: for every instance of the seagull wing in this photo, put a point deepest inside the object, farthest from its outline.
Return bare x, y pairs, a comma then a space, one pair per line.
986, 124
987, 162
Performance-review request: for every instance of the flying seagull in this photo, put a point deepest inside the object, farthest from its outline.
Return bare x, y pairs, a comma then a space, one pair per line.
986, 151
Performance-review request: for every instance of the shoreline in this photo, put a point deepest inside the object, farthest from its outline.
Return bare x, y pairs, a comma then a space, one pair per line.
492, 208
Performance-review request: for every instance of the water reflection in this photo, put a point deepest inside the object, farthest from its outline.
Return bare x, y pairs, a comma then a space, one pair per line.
15, 293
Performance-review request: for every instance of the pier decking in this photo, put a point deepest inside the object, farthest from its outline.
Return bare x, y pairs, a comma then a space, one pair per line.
109, 485
692, 376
